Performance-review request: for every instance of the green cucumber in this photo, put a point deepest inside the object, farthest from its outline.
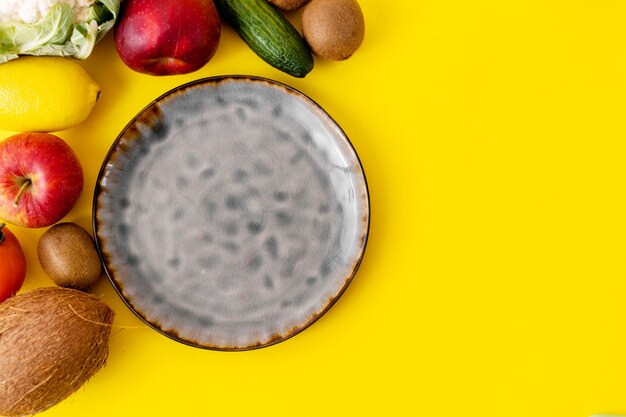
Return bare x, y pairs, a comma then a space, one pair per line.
269, 34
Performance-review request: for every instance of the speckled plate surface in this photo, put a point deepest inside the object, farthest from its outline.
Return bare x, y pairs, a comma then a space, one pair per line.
231, 213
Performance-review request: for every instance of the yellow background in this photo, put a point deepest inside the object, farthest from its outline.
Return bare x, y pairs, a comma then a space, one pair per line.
494, 283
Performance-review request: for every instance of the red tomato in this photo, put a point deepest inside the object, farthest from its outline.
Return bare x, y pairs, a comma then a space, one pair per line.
12, 264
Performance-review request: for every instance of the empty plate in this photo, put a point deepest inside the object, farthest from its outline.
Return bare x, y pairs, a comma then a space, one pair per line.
231, 213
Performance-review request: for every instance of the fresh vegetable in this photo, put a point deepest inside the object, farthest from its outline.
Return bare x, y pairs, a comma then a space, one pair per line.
53, 340
40, 179
45, 94
289, 5
334, 29
269, 34
12, 264
68, 255
54, 27
166, 37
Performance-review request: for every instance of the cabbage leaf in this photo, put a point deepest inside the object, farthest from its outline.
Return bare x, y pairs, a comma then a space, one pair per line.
56, 34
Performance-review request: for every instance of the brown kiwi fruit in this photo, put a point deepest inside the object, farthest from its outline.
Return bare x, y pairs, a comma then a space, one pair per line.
68, 255
288, 5
53, 340
334, 29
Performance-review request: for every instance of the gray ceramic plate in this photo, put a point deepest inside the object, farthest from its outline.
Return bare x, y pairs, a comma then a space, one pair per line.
231, 213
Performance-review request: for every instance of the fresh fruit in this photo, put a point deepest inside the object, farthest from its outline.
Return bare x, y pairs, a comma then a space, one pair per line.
53, 340
289, 5
167, 37
269, 34
334, 29
45, 94
12, 264
68, 255
40, 179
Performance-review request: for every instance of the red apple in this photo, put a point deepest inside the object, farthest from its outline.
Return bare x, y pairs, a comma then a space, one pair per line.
167, 37
40, 179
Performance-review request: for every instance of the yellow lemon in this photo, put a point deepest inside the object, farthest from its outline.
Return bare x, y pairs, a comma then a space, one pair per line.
44, 94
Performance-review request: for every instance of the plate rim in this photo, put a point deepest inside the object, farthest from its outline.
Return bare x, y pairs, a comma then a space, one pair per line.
348, 278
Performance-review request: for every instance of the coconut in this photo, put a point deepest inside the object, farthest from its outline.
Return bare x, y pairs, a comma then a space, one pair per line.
52, 340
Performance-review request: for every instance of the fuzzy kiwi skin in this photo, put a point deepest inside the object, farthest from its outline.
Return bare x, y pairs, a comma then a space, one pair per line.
334, 29
52, 340
289, 5
68, 255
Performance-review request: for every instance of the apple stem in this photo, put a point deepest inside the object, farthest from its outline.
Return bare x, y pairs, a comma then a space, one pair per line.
21, 191
2, 234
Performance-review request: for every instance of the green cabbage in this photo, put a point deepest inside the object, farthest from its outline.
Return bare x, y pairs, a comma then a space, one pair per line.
56, 33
